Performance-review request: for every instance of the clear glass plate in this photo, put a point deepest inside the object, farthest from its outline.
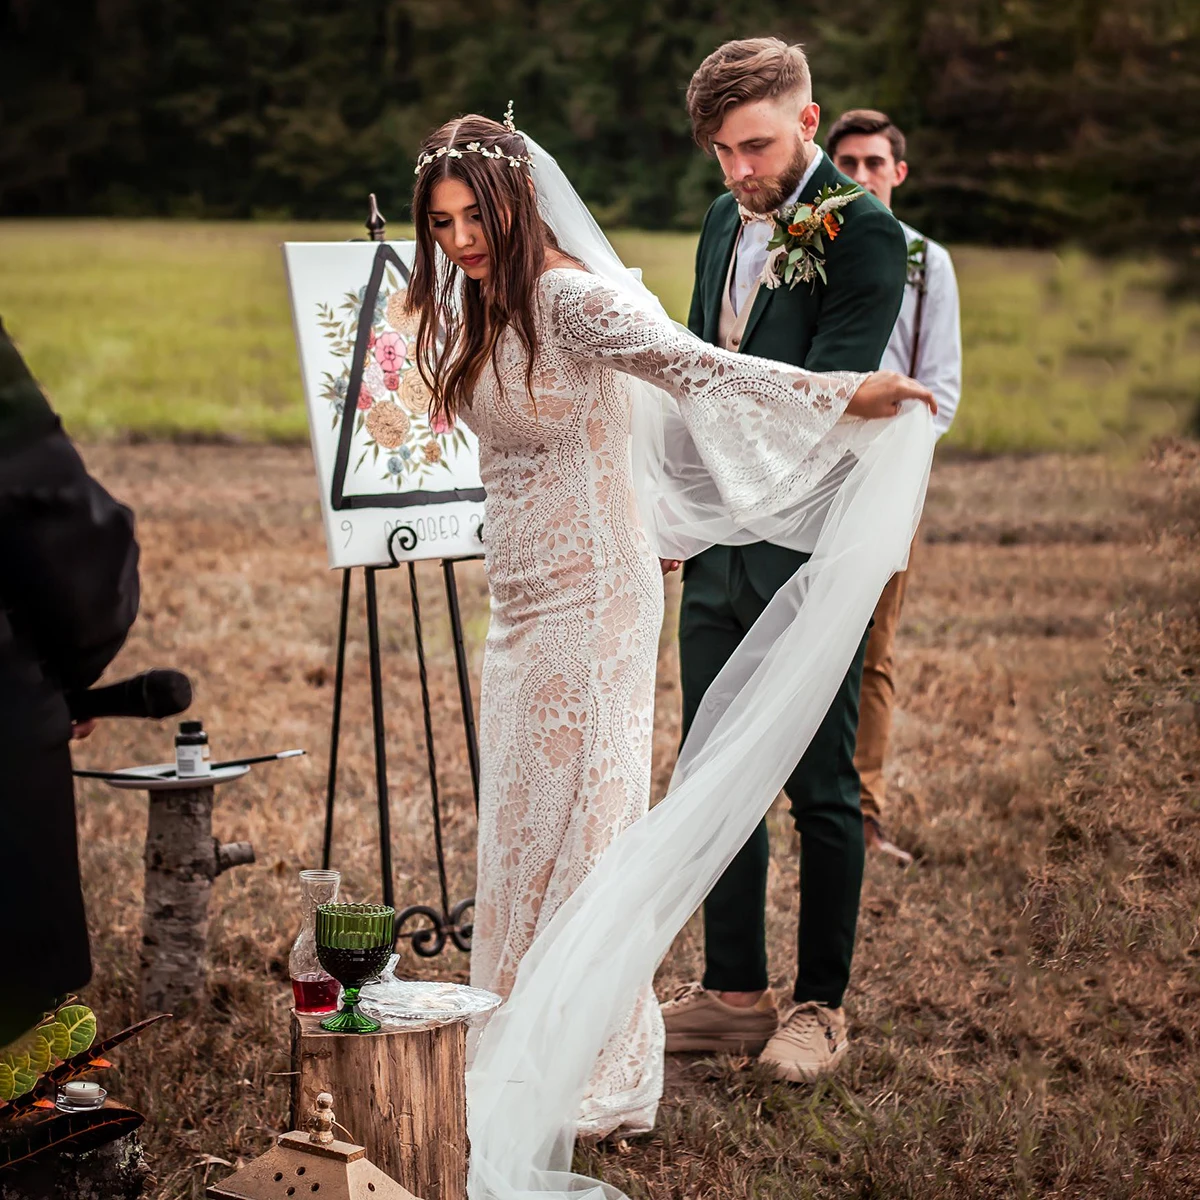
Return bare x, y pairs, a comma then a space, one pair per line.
423, 1001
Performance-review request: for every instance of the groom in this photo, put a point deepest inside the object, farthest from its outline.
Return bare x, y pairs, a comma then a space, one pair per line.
751, 105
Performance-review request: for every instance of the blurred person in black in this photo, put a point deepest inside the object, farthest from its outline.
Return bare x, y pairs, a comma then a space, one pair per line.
68, 595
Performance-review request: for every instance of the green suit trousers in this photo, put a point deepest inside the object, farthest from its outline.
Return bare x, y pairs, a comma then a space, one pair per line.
718, 606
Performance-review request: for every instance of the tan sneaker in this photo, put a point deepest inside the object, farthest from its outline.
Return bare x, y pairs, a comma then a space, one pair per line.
697, 1020
809, 1044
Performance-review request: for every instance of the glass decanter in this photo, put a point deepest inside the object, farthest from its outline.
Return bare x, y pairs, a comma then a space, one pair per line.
313, 988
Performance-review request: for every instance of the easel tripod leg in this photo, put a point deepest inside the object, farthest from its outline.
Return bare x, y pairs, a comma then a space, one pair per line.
431, 754
464, 677
381, 784
339, 679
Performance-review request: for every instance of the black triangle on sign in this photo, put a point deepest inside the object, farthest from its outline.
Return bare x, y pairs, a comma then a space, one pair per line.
339, 501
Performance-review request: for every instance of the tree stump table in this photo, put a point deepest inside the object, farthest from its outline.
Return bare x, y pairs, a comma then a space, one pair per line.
182, 859
401, 1093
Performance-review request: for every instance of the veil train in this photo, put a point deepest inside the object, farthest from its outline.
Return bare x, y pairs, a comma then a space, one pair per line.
533, 1060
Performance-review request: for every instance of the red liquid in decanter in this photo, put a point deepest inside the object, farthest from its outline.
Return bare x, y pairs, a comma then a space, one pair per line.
315, 994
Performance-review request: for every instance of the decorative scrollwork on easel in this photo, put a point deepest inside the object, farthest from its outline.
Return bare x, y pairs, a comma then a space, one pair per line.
429, 941
406, 535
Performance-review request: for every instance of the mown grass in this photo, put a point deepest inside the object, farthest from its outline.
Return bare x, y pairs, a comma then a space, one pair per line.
1024, 998
183, 330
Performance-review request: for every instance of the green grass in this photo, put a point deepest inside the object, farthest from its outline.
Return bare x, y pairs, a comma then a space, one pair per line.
182, 330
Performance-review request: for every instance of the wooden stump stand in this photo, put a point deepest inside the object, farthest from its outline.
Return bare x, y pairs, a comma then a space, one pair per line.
401, 1093
182, 859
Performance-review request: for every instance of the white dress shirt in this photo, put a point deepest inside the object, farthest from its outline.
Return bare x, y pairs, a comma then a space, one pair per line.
939, 350
752, 248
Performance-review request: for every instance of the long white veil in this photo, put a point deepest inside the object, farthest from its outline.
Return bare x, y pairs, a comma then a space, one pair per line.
579, 980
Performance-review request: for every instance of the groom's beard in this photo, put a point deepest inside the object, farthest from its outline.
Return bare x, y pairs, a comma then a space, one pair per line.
771, 190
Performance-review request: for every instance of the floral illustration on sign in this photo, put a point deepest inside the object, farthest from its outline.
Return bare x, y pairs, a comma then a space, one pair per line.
392, 405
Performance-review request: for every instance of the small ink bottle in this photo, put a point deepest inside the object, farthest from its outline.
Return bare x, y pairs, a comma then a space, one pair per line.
191, 750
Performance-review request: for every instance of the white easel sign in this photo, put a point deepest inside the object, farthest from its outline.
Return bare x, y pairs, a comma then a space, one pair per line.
387, 473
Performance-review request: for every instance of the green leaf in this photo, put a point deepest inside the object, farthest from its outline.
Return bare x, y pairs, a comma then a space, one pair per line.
391, 278
59, 1038
820, 269
80, 1023
8, 1082
796, 255
40, 1044
24, 1076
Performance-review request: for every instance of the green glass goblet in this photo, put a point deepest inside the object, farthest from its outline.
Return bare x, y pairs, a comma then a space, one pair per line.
353, 943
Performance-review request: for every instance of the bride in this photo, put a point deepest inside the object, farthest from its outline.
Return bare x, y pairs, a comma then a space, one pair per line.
609, 437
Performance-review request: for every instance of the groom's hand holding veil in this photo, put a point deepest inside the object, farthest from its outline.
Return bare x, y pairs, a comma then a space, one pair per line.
882, 393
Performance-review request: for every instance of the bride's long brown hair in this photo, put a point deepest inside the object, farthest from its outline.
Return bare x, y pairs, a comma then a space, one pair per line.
516, 240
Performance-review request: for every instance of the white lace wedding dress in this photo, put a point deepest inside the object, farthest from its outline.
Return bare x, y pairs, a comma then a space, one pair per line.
567, 702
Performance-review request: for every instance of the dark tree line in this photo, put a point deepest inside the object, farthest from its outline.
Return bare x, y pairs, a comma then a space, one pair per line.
1030, 121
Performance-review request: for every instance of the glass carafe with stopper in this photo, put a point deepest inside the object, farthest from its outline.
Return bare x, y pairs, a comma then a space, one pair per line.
313, 988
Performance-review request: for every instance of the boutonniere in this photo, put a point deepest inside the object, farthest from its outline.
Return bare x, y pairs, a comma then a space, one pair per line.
797, 247
917, 253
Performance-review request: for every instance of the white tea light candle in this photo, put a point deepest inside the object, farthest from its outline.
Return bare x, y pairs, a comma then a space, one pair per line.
80, 1093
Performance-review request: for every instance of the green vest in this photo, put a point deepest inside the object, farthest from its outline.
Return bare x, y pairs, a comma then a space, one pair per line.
841, 325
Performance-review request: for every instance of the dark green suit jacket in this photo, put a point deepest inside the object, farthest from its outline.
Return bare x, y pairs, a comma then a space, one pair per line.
842, 325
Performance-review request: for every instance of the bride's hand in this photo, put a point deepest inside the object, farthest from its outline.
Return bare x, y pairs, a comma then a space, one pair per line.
882, 393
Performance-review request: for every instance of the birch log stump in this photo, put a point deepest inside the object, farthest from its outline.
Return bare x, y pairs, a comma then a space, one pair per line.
401, 1093
182, 860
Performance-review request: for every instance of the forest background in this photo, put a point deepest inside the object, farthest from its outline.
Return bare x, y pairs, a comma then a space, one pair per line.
1033, 123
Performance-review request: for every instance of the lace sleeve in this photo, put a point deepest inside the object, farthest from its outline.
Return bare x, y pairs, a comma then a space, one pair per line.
764, 429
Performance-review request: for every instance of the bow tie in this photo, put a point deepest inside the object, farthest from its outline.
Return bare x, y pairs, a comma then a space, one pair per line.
749, 217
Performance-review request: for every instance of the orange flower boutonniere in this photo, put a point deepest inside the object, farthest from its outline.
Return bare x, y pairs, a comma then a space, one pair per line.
797, 247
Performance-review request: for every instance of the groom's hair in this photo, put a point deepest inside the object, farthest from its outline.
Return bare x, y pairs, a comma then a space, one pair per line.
740, 73
867, 122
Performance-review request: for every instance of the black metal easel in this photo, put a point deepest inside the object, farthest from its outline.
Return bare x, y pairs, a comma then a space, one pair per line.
436, 925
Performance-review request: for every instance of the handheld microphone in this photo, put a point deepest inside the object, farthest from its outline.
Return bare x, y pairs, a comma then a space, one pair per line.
159, 693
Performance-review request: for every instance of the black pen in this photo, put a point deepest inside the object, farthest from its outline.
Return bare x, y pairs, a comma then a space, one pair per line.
258, 758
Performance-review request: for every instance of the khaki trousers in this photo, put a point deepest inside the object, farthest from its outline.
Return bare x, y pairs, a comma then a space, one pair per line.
878, 696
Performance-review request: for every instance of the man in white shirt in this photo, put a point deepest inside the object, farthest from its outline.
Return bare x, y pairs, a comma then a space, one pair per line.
926, 344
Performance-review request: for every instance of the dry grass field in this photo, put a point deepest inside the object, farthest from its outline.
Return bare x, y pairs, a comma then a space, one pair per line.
1024, 1009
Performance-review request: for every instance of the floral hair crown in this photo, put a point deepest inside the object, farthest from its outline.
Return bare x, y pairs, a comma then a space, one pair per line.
514, 160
